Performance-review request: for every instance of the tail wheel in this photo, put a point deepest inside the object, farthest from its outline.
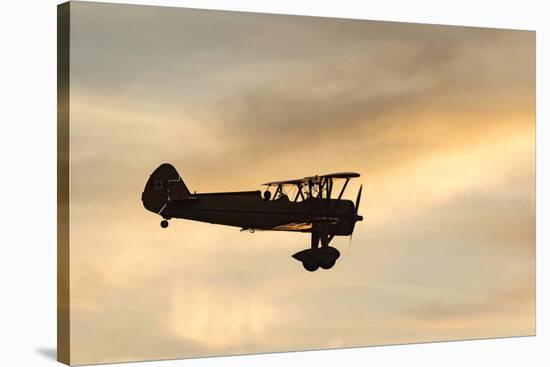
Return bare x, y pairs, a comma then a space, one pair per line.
164, 223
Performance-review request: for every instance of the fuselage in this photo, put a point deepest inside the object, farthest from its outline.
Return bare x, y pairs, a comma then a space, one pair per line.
248, 210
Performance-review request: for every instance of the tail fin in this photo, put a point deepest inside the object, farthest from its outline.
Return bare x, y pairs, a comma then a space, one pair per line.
163, 185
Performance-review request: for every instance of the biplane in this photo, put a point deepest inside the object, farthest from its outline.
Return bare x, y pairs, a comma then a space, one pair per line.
308, 204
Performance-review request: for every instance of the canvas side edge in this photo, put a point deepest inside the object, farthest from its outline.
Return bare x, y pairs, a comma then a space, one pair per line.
63, 182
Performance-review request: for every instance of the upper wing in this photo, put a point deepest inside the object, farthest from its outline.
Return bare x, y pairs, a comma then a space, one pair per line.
286, 182
299, 181
342, 175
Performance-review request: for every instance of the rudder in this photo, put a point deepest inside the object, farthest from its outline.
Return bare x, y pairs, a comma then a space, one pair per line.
164, 184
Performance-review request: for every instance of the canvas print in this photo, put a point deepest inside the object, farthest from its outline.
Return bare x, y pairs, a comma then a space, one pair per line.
234, 183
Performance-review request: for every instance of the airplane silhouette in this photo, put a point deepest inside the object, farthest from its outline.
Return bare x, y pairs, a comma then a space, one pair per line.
311, 209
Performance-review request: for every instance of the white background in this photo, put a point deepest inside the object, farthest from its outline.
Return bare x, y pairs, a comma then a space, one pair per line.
28, 182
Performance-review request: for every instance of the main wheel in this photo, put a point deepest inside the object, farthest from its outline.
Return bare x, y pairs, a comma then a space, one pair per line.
164, 223
310, 265
328, 264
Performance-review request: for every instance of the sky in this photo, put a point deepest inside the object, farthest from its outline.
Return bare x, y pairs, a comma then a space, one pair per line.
438, 120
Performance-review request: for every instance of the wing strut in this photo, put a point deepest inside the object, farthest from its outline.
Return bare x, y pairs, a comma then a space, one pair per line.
340, 196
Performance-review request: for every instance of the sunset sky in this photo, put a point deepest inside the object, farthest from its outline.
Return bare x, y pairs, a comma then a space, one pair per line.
438, 120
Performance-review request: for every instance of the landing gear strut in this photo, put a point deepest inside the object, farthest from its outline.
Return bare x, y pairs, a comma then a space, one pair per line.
164, 223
